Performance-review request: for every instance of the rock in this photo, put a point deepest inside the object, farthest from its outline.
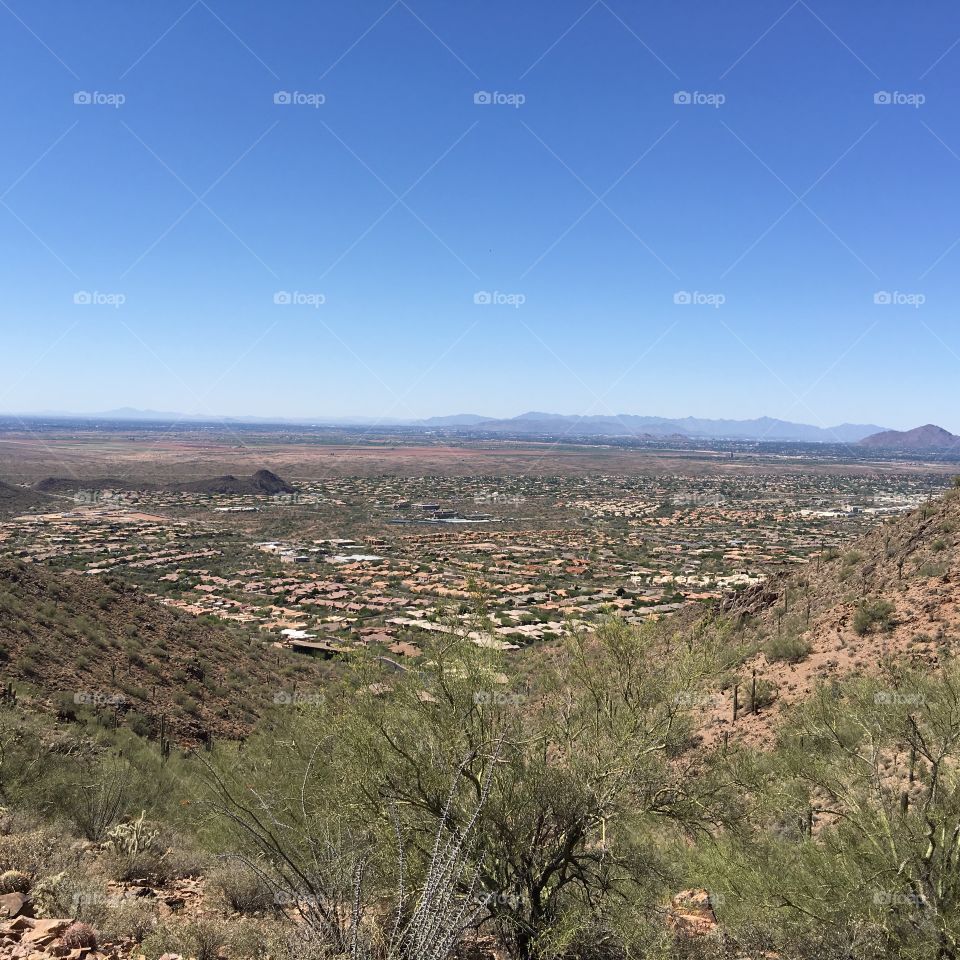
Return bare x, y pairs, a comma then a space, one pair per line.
45, 930
15, 905
139, 892
42, 940
691, 913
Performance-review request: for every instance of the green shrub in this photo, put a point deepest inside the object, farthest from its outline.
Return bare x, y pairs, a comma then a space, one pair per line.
203, 938
873, 615
790, 648
130, 919
14, 881
94, 797
241, 888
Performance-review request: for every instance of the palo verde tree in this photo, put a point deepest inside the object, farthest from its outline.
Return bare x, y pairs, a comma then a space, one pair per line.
851, 831
589, 752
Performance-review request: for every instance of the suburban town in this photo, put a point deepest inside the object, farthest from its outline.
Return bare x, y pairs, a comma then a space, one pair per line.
351, 563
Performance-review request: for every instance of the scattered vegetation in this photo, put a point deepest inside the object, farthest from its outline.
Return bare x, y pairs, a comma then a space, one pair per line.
789, 647
873, 615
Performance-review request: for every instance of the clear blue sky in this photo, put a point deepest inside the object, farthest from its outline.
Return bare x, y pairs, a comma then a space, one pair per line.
598, 202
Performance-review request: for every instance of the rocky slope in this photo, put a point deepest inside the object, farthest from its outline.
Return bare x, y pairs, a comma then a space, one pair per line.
85, 643
20, 499
893, 595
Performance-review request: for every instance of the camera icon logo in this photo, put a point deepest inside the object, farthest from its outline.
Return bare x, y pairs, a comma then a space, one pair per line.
282, 97
83, 298
882, 97
483, 298
882, 298
282, 698
282, 298
482, 97
682, 298
682, 97
82, 97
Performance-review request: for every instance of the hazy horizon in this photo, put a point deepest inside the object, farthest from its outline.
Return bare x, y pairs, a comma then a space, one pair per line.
404, 209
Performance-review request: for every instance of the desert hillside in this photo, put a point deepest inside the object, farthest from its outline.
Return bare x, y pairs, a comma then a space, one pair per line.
614, 758
891, 597
83, 643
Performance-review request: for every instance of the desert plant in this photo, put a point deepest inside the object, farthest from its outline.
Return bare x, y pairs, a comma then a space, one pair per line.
306, 870
790, 647
242, 888
35, 851
873, 615
133, 850
14, 881
860, 761
201, 938
93, 798
133, 838
80, 936
129, 919
584, 772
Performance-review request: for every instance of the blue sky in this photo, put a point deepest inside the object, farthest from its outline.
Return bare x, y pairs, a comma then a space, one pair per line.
720, 257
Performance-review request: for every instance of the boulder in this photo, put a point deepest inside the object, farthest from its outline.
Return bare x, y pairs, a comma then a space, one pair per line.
691, 913
15, 905
43, 933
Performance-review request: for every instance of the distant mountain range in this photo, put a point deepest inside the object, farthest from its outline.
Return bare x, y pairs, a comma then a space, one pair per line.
926, 439
536, 423
763, 428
